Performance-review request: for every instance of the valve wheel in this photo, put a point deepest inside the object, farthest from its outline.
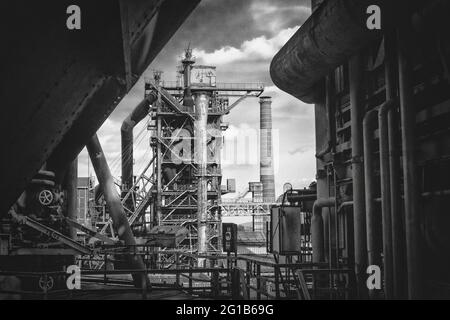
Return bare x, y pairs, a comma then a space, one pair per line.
46, 283
45, 197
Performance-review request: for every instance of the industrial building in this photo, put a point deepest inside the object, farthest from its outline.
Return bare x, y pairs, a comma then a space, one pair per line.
382, 106
372, 226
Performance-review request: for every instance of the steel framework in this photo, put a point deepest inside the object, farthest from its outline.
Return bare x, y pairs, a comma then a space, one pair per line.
186, 139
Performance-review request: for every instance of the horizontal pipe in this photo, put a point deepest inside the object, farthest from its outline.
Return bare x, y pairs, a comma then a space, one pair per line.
331, 35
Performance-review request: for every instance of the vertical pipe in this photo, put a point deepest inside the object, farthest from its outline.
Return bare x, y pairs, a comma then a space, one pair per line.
386, 198
372, 218
114, 205
126, 131
266, 150
201, 118
407, 110
317, 228
356, 78
398, 234
71, 182
317, 236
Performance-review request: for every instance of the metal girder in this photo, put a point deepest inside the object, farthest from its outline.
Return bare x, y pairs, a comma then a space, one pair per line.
55, 235
60, 85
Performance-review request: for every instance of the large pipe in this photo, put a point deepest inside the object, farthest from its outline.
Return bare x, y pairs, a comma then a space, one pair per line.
331, 35
126, 131
356, 78
407, 110
201, 119
114, 205
386, 198
372, 218
266, 150
317, 229
71, 183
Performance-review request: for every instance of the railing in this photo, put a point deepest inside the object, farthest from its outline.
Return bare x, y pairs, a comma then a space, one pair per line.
220, 86
218, 277
202, 282
287, 281
244, 208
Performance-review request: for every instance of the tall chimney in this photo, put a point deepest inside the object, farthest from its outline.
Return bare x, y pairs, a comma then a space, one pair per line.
266, 150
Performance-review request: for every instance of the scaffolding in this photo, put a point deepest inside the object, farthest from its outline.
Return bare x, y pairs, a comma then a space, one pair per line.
186, 139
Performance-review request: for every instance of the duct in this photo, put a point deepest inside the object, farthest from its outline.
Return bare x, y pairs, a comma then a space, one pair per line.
317, 229
201, 158
114, 205
372, 224
266, 150
126, 131
356, 77
331, 35
407, 111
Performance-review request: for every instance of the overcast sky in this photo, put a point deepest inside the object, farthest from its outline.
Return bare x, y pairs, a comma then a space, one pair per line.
240, 37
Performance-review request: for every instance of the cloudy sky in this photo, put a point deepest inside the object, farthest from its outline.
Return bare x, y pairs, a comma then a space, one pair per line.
240, 37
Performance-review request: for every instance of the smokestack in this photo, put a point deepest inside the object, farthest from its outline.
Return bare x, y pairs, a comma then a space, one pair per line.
266, 156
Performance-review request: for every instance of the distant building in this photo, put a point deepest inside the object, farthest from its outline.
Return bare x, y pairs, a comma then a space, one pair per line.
85, 195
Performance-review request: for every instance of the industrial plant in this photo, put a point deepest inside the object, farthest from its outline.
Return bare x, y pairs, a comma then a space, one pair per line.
372, 224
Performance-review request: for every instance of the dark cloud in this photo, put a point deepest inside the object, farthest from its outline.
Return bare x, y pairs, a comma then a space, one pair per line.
246, 27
